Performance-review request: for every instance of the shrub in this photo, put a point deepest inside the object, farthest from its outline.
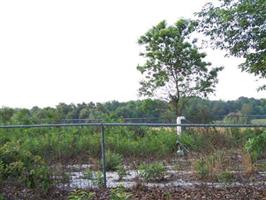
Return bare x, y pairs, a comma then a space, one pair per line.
121, 171
81, 195
20, 165
98, 179
201, 168
120, 193
256, 146
157, 142
152, 172
225, 177
210, 166
95, 177
113, 160
206, 140
191, 140
88, 174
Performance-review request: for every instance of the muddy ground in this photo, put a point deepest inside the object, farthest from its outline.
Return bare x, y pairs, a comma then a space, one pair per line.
143, 193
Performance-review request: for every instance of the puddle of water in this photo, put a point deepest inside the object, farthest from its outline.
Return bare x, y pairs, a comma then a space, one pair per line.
77, 179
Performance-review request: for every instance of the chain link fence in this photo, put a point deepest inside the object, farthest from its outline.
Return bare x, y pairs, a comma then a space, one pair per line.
88, 155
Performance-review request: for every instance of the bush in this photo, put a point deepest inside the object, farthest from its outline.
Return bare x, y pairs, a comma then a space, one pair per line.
81, 195
120, 193
210, 166
88, 174
225, 177
152, 172
95, 177
202, 169
206, 140
121, 171
192, 140
256, 146
113, 160
98, 179
155, 142
23, 167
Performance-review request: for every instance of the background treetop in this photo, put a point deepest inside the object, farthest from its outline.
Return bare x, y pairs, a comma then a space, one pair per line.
238, 26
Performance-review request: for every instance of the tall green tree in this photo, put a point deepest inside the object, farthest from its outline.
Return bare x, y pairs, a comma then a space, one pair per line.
238, 26
174, 69
6, 115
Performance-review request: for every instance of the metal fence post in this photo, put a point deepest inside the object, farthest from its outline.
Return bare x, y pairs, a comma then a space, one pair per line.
103, 155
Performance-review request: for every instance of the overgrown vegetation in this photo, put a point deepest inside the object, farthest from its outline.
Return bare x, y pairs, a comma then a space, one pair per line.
120, 193
28, 156
96, 177
215, 167
256, 146
21, 165
81, 195
206, 140
113, 160
152, 171
213, 147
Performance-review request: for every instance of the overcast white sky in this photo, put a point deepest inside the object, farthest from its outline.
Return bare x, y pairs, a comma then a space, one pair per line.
79, 51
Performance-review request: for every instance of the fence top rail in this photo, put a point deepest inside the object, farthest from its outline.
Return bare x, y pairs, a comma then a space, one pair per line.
134, 124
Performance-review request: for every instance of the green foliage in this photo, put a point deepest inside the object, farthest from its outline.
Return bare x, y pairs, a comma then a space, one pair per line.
81, 195
2, 171
121, 171
98, 179
155, 143
88, 173
20, 164
256, 146
56, 144
6, 115
191, 140
225, 177
95, 177
239, 27
152, 171
174, 65
113, 160
2, 197
211, 166
201, 168
206, 140
120, 193
195, 109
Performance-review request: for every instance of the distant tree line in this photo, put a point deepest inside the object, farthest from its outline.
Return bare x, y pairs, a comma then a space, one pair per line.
196, 110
